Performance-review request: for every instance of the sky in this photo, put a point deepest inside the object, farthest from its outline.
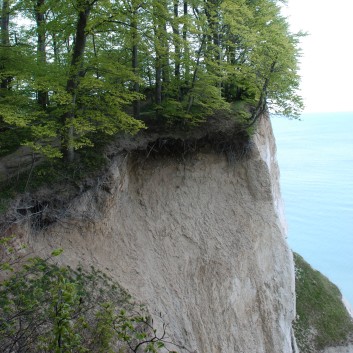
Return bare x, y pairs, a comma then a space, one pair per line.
327, 58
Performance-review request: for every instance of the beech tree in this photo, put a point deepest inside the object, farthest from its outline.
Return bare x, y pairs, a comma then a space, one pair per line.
76, 70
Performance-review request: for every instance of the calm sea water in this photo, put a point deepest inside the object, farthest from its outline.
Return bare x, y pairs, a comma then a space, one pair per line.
316, 161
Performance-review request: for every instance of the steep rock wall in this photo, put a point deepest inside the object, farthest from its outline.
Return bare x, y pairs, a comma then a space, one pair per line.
200, 241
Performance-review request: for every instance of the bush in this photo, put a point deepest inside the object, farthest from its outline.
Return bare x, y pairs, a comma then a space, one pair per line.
47, 308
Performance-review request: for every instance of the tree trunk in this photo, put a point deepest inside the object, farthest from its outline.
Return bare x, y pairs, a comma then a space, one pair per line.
186, 47
158, 89
5, 40
165, 59
177, 59
134, 61
5, 19
191, 97
159, 56
41, 49
211, 12
75, 73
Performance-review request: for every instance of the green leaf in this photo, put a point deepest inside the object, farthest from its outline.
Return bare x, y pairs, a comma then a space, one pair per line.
57, 252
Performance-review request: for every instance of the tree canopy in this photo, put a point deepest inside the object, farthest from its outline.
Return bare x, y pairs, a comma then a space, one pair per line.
73, 70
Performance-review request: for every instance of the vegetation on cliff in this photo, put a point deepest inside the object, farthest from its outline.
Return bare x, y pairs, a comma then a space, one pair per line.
322, 319
47, 308
72, 72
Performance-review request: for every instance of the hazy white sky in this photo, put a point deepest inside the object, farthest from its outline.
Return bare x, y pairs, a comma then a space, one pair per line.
327, 61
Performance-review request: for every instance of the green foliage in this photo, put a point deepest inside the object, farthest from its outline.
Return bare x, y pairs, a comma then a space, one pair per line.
322, 319
47, 308
52, 172
72, 73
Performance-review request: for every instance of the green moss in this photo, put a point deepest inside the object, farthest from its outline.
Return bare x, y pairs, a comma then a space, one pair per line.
322, 319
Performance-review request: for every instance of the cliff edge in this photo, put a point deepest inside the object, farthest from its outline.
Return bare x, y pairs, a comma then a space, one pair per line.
198, 239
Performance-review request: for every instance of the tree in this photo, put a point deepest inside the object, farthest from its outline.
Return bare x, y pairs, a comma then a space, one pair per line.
84, 69
274, 61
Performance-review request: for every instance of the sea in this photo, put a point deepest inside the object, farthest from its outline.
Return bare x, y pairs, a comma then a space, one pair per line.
315, 156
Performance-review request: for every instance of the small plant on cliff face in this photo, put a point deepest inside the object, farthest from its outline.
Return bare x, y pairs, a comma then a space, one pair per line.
322, 320
47, 308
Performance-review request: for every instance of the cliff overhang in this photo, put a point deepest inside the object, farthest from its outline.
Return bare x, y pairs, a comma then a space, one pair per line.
198, 239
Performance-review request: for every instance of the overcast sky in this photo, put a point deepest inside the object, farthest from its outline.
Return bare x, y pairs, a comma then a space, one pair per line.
327, 61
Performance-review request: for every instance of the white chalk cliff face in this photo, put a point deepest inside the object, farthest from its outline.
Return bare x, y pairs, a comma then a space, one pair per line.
199, 241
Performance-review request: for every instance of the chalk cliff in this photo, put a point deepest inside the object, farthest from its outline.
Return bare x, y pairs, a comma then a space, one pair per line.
200, 240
